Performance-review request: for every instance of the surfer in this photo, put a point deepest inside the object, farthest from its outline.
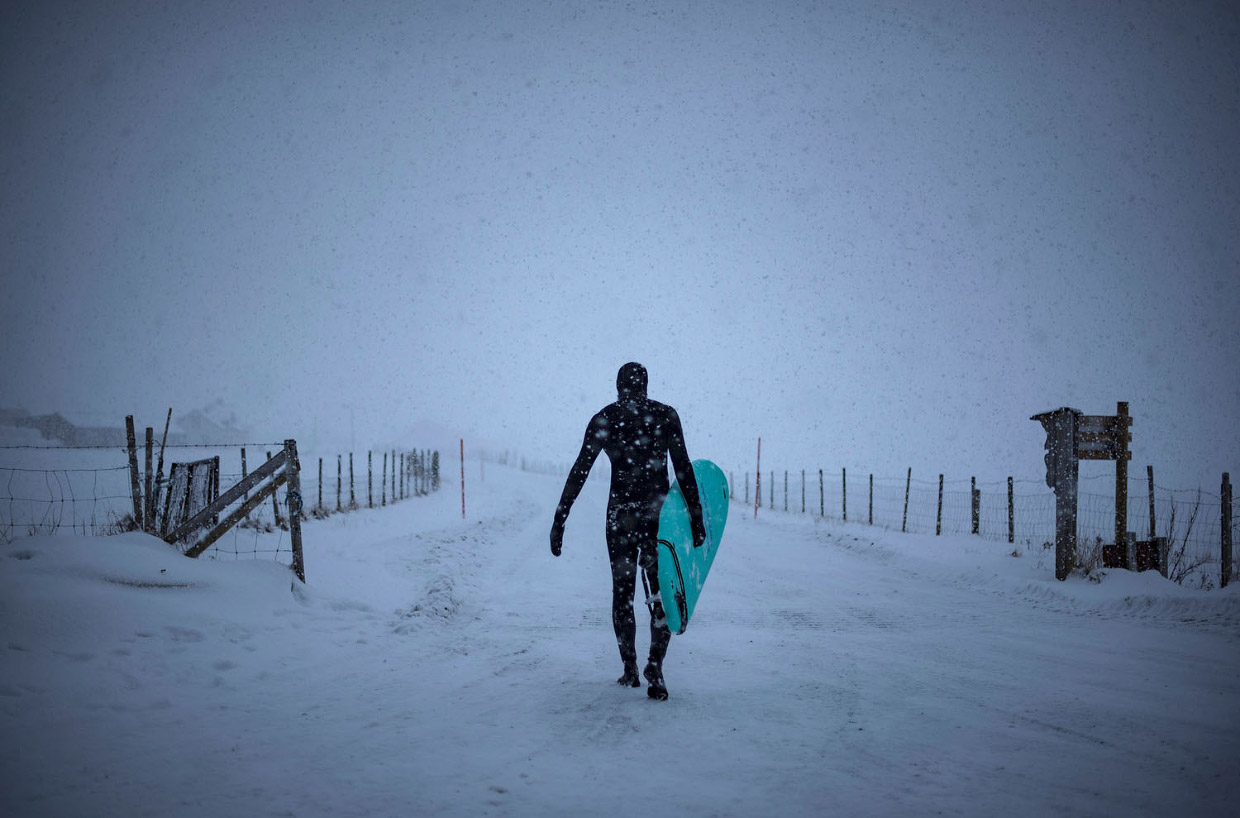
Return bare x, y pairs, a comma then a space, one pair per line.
638, 435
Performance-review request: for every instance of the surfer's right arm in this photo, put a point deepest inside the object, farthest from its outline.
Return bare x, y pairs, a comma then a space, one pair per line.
596, 434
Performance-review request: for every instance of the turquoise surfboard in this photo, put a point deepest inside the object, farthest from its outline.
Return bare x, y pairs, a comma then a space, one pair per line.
683, 568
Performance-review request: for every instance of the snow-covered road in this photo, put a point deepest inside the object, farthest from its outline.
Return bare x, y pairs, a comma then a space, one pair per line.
434, 666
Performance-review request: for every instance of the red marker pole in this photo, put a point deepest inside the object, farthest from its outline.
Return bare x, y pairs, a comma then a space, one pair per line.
462, 478
757, 483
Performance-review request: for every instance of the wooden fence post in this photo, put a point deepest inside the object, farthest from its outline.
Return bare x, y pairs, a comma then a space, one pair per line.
907, 482
462, 478
1149, 474
871, 498
1011, 514
1226, 532
822, 496
352, 496
976, 496
292, 471
215, 484
785, 490
1126, 548
319, 507
772, 505
148, 510
339, 480
802, 491
746, 488
393, 475
383, 482
135, 487
275, 504
757, 482
844, 481
370, 479
938, 520
159, 469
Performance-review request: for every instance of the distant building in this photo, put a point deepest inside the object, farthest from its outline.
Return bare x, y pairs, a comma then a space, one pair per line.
57, 429
9, 417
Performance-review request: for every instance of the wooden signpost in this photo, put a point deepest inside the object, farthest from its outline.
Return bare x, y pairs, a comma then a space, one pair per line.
1071, 437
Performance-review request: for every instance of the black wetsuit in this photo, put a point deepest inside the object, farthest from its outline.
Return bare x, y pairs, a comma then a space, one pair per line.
637, 434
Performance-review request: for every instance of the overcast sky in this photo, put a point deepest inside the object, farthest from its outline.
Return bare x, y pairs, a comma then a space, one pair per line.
878, 235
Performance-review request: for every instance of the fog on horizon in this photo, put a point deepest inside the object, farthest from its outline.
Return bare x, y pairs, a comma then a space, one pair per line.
877, 237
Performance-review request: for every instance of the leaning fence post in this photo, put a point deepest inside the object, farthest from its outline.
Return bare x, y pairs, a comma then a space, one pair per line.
159, 469
1011, 514
907, 483
135, 487
292, 471
938, 520
1226, 532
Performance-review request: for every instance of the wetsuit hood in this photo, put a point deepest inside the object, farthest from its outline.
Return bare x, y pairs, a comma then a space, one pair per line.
631, 381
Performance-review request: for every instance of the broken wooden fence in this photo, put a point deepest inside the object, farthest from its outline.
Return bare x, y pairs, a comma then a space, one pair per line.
282, 469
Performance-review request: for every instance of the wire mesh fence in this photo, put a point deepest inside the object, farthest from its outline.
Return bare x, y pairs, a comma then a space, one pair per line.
87, 490
1190, 520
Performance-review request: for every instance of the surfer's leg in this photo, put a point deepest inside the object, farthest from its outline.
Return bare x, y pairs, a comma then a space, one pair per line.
660, 634
622, 551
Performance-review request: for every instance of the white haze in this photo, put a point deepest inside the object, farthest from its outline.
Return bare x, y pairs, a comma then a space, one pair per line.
879, 236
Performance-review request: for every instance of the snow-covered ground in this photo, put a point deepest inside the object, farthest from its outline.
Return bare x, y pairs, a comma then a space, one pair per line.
434, 666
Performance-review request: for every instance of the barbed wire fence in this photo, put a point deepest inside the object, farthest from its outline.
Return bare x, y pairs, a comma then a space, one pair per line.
1019, 512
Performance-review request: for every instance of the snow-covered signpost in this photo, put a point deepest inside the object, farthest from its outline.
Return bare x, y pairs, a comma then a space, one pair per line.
1071, 437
